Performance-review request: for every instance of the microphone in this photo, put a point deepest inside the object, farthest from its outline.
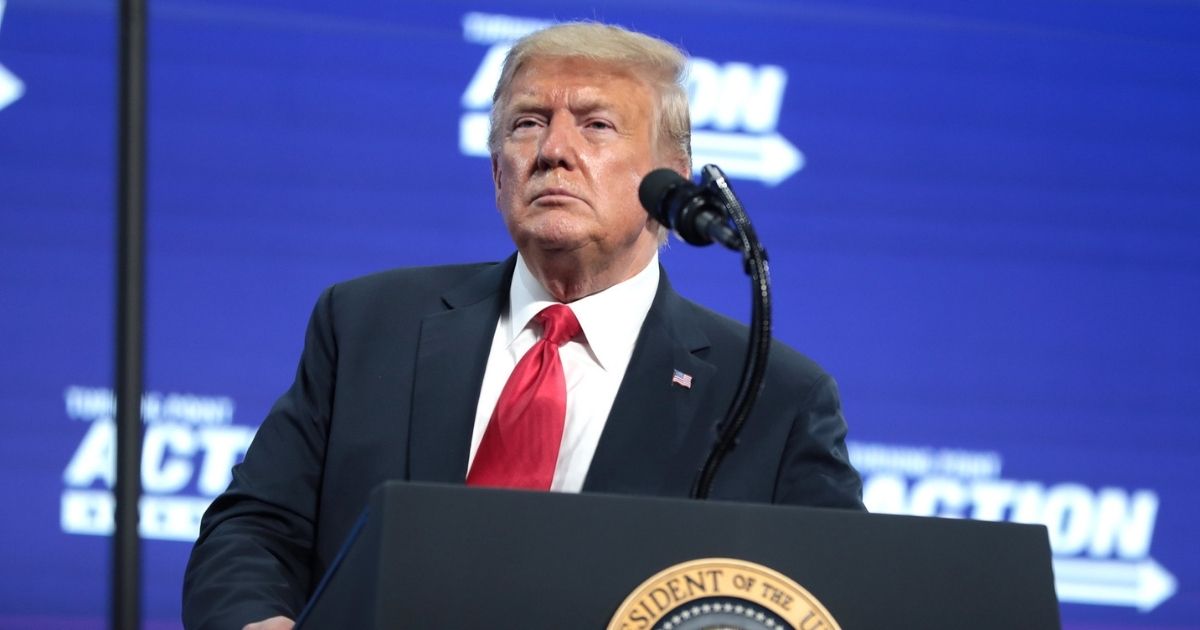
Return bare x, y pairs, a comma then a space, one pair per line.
695, 214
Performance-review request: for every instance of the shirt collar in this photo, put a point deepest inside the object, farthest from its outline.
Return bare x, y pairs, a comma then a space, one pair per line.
610, 319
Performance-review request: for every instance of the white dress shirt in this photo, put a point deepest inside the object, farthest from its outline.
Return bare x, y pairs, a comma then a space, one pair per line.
593, 363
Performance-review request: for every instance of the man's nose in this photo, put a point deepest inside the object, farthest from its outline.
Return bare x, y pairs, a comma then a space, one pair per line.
558, 147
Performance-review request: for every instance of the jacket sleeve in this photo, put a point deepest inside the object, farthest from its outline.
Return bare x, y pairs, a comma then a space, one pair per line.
253, 558
816, 469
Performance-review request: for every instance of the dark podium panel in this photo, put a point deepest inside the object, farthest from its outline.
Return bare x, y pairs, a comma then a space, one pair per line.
431, 556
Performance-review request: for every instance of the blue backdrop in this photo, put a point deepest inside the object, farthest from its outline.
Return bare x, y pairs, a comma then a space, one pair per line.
983, 219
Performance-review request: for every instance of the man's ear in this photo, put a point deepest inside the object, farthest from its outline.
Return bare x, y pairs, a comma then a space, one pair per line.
496, 175
683, 166
677, 162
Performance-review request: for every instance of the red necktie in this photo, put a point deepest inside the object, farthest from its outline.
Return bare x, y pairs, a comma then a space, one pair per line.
521, 442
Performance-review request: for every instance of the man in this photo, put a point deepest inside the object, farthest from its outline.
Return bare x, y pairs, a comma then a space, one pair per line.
442, 374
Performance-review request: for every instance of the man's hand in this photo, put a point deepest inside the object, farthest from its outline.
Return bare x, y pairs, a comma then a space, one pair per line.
274, 623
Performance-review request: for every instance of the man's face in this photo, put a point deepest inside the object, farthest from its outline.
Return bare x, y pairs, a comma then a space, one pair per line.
575, 139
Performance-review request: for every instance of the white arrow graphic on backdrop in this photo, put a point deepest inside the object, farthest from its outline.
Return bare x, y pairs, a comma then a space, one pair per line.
1142, 584
768, 158
11, 88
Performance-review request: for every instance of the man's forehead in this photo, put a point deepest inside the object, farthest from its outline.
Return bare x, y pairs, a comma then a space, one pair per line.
574, 96
577, 83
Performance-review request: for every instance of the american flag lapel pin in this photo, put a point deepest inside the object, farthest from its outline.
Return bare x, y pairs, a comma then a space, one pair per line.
681, 379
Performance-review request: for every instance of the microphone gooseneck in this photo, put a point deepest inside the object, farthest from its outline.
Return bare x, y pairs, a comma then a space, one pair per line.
701, 214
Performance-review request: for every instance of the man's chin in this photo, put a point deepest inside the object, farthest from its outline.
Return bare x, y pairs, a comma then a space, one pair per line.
556, 246
553, 237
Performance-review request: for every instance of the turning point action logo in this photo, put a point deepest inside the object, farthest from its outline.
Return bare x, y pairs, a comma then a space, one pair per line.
734, 105
189, 447
1100, 537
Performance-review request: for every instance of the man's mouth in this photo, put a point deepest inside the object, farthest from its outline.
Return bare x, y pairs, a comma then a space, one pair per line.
554, 196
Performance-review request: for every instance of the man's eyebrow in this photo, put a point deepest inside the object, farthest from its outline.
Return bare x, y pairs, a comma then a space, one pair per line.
588, 105
525, 103
578, 105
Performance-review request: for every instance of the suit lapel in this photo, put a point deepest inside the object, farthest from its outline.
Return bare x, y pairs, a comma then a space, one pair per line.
452, 353
655, 438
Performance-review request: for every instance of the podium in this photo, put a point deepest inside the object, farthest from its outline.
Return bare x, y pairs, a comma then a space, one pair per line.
434, 556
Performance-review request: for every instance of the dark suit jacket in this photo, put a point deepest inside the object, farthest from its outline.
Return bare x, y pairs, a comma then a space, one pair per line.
387, 389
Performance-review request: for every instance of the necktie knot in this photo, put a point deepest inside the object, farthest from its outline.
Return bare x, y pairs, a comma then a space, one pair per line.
558, 324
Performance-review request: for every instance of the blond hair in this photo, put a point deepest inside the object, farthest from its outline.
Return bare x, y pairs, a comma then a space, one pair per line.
657, 62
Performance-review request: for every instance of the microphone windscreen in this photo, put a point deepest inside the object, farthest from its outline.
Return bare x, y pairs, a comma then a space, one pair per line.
654, 189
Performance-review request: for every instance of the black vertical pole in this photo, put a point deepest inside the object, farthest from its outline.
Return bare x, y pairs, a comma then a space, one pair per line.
131, 187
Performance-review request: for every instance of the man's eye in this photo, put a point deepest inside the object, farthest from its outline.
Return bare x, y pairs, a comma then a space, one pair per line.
524, 123
599, 124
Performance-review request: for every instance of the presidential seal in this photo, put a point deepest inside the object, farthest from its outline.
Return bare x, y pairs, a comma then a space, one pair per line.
721, 594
